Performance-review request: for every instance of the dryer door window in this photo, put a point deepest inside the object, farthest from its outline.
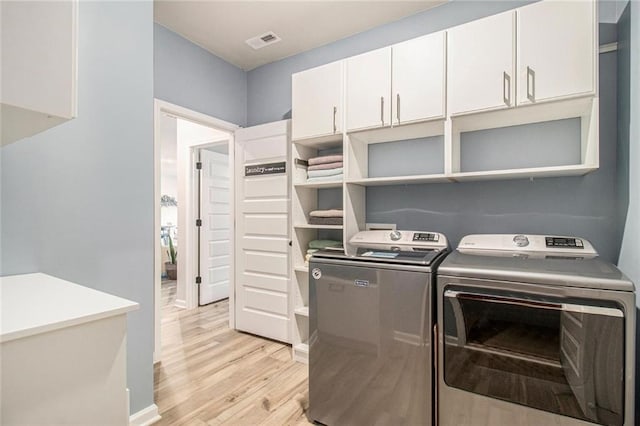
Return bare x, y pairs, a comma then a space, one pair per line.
565, 356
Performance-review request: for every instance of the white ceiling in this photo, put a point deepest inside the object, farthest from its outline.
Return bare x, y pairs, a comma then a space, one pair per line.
222, 27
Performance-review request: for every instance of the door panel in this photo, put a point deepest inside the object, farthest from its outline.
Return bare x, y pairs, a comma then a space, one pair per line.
262, 244
418, 79
556, 50
215, 248
369, 90
479, 54
317, 101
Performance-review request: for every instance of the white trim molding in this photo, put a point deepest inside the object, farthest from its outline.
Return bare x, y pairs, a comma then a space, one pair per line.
146, 416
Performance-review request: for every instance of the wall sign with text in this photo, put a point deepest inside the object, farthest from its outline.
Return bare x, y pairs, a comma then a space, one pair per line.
265, 169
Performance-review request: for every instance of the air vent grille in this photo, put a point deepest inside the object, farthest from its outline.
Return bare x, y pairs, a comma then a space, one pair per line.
263, 40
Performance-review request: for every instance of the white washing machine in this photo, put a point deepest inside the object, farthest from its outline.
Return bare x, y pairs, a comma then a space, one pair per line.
534, 330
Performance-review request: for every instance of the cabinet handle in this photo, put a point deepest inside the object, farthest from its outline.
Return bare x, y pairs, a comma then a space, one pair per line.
531, 84
382, 110
506, 88
398, 107
335, 110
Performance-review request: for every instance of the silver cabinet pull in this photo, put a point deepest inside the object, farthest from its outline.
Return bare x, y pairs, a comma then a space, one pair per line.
506, 88
398, 107
382, 110
335, 110
531, 84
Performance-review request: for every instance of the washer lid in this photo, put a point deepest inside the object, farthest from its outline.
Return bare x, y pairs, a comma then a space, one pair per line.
553, 269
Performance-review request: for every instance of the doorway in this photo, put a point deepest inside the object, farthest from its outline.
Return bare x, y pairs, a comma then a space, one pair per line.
193, 154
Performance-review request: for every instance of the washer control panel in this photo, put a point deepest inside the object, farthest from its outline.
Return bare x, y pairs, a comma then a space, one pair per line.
400, 240
527, 243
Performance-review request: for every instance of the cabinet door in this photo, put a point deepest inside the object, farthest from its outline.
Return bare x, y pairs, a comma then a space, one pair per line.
481, 64
317, 101
418, 79
556, 50
369, 90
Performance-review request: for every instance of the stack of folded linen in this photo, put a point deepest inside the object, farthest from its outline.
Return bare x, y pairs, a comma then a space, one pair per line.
325, 168
326, 217
316, 245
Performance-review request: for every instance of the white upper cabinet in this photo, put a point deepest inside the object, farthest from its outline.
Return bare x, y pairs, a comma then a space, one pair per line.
557, 50
481, 65
369, 90
317, 101
418, 79
39, 54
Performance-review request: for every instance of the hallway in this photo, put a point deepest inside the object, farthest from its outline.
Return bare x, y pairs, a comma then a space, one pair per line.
212, 375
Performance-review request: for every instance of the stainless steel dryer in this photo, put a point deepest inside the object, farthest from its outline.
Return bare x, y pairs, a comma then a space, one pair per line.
371, 324
534, 330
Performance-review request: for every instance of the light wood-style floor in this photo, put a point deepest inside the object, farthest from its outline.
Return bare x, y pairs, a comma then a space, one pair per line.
212, 375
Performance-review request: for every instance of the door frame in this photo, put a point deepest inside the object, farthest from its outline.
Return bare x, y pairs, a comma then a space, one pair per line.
162, 107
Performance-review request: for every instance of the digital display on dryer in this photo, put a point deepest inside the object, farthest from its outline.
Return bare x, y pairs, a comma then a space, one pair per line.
564, 242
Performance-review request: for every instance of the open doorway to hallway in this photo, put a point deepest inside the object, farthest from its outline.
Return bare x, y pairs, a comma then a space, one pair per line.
194, 226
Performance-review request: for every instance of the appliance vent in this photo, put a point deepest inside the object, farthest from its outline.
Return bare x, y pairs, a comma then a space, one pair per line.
263, 40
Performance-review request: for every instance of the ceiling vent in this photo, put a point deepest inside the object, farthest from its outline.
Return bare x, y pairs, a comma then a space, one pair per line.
263, 40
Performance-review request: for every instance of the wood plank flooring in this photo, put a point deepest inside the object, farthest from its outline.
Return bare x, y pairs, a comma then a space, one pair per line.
212, 375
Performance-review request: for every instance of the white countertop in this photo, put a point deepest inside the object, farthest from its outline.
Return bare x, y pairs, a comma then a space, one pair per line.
38, 303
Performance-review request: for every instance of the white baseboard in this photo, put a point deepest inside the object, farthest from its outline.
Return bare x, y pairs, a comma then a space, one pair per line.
146, 416
180, 303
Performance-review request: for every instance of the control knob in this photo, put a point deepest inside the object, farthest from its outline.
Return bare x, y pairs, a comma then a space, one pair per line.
395, 235
521, 240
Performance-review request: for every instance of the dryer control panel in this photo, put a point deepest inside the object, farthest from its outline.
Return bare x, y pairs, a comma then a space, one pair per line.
527, 243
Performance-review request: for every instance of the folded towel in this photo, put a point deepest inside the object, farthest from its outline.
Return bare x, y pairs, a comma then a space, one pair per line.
322, 244
326, 166
325, 220
311, 251
321, 173
325, 159
327, 213
333, 178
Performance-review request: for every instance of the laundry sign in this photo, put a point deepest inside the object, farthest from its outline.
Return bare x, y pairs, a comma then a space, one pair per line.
265, 169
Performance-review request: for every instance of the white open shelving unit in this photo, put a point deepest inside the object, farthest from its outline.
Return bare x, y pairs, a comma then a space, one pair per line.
557, 98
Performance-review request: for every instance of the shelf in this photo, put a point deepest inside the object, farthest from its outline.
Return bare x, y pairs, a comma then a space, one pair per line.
401, 132
319, 185
322, 142
401, 180
310, 226
302, 311
536, 172
301, 269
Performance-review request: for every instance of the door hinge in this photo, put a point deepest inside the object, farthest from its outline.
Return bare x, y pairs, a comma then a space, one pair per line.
198, 280
198, 222
199, 165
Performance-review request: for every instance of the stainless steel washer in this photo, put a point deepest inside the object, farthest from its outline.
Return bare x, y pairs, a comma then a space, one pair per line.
534, 330
370, 323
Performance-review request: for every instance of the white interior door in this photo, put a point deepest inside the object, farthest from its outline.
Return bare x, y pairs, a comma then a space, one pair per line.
262, 286
215, 233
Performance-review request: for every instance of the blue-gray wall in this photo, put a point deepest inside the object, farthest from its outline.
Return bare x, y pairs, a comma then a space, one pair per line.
77, 200
189, 76
630, 125
584, 206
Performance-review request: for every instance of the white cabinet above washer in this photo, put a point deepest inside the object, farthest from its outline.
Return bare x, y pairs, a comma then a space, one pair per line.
481, 65
369, 90
418, 79
556, 51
